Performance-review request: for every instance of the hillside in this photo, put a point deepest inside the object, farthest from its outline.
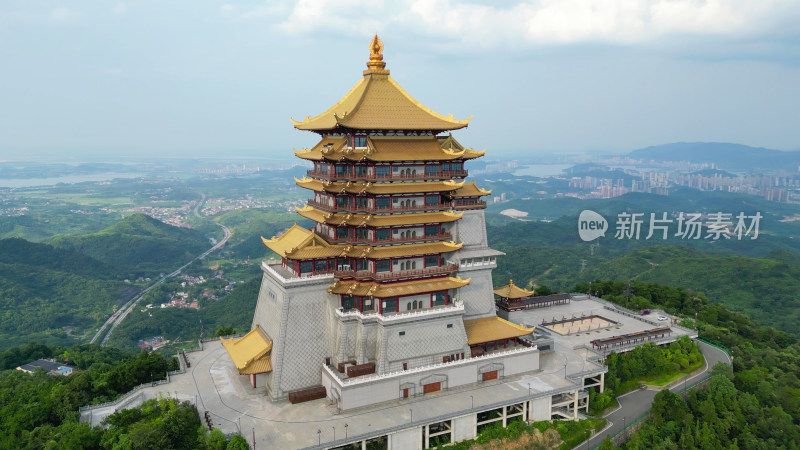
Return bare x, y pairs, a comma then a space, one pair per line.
725, 155
739, 282
249, 225
43, 289
139, 244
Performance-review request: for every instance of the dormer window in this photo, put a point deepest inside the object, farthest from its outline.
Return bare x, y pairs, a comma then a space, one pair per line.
358, 141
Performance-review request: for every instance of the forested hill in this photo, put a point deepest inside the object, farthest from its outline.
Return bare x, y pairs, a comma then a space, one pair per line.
139, 244
44, 289
726, 155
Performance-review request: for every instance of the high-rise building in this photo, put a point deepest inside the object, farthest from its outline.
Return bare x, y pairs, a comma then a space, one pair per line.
389, 293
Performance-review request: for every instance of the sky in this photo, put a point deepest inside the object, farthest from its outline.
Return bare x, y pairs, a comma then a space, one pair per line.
541, 77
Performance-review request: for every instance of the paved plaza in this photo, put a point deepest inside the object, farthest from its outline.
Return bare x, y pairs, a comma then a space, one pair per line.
213, 384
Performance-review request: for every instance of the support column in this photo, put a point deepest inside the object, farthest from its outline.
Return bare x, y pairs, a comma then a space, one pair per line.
575, 412
602, 382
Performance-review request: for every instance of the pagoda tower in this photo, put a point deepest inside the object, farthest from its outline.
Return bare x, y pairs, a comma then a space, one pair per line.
395, 273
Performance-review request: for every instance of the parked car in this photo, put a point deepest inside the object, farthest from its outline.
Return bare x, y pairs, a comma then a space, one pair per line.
662, 318
645, 312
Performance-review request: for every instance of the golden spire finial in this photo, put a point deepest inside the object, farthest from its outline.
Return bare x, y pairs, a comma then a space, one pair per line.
376, 63
510, 282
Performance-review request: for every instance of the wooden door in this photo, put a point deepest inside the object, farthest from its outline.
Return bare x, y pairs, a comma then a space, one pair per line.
490, 375
405, 393
432, 387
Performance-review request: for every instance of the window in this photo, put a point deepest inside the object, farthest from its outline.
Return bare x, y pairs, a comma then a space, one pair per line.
382, 266
440, 299
431, 230
432, 261
446, 167
362, 264
431, 200
362, 202
383, 203
389, 305
305, 267
320, 265
362, 233
382, 235
341, 170
402, 333
360, 141
361, 171
348, 302
449, 325
342, 232
382, 171
431, 170
366, 303
341, 201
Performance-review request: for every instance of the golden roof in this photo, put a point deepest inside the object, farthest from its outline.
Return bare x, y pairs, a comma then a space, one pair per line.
491, 329
385, 149
251, 352
377, 221
378, 188
379, 290
470, 190
300, 243
377, 102
512, 291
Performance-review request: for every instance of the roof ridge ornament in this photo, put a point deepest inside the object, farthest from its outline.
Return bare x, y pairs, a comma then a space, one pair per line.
376, 64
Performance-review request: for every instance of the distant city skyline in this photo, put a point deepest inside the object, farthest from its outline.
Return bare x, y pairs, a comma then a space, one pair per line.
182, 79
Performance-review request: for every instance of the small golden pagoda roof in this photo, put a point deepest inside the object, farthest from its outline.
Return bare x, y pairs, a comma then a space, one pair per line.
377, 221
380, 290
470, 190
512, 291
300, 243
489, 329
378, 188
251, 352
385, 149
377, 102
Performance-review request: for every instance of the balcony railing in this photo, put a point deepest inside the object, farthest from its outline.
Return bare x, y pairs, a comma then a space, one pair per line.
367, 274
470, 205
384, 177
391, 240
376, 209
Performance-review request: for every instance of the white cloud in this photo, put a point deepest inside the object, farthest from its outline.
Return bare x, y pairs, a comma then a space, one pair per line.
113, 71
536, 22
120, 9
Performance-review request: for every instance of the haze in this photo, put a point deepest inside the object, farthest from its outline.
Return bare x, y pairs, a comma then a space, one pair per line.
184, 78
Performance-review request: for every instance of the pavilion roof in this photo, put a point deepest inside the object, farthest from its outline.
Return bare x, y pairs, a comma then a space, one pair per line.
386, 149
378, 220
251, 352
380, 290
489, 329
300, 243
512, 291
470, 190
378, 188
377, 102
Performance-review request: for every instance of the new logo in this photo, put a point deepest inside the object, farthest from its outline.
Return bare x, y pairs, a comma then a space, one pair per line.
591, 225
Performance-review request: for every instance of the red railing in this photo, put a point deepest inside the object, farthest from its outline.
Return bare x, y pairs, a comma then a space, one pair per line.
392, 176
366, 240
374, 209
439, 270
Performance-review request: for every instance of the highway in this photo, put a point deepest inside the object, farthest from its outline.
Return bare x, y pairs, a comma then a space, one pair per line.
112, 322
634, 404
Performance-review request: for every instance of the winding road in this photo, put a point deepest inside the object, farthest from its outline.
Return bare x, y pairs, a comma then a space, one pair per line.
112, 322
634, 404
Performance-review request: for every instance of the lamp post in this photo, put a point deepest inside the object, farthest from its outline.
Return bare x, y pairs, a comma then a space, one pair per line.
319, 437
345, 430
529, 389
411, 414
334, 433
